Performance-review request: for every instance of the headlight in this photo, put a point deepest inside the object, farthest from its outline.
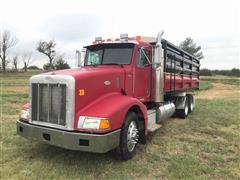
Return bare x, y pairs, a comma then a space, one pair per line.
93, 123
24, 114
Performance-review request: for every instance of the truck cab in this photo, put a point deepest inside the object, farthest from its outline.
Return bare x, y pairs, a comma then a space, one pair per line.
125, 89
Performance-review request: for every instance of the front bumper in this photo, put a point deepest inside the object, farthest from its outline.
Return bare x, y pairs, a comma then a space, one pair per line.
70, 140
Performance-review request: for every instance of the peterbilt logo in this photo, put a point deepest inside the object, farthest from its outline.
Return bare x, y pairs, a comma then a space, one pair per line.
107, 83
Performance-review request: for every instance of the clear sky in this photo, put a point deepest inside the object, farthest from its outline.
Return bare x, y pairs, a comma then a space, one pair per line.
213, 24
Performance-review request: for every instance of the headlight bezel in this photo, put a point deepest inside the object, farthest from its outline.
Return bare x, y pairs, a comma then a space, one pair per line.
93, 123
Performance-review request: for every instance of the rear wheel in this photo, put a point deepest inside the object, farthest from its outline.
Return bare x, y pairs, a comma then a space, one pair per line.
129, 137
183, 113
190, 103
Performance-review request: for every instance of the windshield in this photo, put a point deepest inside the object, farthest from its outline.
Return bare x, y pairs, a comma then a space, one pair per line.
108, 54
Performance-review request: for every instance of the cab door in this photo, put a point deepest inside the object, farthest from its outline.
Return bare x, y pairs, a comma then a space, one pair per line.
142, 74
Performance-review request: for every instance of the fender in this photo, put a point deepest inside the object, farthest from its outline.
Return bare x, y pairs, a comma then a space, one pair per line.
114, 106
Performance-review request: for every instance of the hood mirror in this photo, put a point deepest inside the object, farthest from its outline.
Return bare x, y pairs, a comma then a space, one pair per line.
80, 55
78, 58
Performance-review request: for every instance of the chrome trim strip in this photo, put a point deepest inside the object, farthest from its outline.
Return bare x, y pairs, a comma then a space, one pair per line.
49, 101
38, 103
118, 82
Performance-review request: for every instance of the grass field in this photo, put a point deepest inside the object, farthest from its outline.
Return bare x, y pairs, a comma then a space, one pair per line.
205, 85
222, 79
206, 145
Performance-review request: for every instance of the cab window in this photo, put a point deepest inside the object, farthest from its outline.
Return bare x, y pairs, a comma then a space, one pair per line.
143, 57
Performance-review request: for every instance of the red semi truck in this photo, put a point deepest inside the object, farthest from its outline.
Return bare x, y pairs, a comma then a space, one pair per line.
126, 88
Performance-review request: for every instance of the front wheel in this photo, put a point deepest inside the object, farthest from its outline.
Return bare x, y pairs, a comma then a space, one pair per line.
129, 136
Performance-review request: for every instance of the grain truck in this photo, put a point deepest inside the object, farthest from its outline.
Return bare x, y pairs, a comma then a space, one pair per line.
124, 90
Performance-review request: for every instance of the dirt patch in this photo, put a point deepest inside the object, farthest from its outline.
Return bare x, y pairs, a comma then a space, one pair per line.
220, 91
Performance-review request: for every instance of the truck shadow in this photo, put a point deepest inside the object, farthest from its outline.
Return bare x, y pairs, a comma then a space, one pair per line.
49, 153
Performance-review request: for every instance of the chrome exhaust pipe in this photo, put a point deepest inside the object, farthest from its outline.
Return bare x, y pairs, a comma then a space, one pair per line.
157, 66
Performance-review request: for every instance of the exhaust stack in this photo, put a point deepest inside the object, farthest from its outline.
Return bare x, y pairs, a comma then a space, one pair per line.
157, 89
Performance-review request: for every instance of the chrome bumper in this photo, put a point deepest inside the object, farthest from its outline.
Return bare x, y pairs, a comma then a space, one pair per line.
70, 140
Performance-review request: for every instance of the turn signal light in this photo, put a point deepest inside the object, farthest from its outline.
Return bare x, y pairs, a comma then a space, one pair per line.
104, 124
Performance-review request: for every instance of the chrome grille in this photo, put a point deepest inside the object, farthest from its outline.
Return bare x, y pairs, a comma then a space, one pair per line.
49, 103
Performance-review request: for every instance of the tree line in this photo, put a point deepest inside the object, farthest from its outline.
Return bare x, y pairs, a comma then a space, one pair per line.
56, 62
232, 72
8, 41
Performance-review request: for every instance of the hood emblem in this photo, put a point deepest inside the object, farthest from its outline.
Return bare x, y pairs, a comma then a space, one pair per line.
107, 83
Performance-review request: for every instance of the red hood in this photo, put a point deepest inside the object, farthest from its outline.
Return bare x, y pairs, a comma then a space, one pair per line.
91, 72
80, 71
95, 82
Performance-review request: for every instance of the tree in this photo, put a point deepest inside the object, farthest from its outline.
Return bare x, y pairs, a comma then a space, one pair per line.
189, 46
34, 67
47, 48
61, 63
58, 64
47, 67
206, 72
235, 72
7, 41
26, 59
15, 63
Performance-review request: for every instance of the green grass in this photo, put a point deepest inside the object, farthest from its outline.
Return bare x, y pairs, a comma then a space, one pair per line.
203, 146
222, 79
16, 79
205, 85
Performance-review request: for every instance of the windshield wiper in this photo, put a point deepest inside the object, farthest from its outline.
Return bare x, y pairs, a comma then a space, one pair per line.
111, 64
121, 65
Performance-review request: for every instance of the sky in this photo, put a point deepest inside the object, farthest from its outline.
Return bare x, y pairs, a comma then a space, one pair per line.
72, 24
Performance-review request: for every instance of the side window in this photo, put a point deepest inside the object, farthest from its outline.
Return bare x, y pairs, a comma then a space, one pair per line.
142, 60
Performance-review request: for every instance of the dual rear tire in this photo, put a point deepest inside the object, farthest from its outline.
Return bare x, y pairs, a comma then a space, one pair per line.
190, 103
187, 107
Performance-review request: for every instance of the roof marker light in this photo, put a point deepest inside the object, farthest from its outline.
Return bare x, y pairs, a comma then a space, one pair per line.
124, 37
98, 39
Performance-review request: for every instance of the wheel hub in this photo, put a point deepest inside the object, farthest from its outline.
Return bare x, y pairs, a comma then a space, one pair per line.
132, 136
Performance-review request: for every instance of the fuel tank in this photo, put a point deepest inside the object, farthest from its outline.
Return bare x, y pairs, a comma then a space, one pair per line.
165, 111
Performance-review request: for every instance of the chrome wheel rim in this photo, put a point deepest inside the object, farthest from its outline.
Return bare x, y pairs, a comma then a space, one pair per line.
132, 136
191, 106
186, 109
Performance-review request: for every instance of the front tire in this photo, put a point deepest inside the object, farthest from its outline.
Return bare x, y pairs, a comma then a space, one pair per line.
129, 136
